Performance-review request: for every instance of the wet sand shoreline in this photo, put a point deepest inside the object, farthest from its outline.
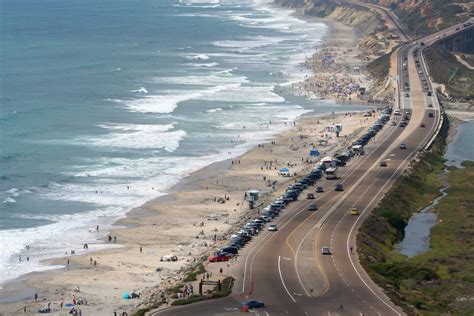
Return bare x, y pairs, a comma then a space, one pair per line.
169, 224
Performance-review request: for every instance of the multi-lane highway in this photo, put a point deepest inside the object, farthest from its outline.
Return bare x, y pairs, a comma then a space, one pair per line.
286, 269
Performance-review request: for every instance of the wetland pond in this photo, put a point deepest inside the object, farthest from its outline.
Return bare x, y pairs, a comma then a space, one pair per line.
417, 232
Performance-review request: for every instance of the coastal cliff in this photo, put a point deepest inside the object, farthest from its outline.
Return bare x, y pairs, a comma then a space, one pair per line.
375, 39
347, 14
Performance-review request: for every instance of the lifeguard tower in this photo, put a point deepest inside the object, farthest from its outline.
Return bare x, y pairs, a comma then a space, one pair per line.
252, 197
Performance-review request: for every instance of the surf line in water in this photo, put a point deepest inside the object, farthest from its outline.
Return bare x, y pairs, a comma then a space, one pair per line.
117, 168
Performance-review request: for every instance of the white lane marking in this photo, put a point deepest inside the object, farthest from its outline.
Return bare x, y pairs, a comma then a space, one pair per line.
406, 160
283, 282
297, 294
286, 219
286, 258
355, 168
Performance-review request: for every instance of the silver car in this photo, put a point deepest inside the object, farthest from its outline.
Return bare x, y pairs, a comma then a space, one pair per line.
326, 251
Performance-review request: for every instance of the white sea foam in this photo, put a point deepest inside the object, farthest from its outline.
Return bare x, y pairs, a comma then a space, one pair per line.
168, 102
9, 200
141, 90
245, 94
115, 185
215, 78
214, 110
52, 240
11, 191
249, 42
200, 65
138, 136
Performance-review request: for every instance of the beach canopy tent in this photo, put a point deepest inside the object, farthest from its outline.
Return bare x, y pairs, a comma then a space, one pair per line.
69, 305
314, 152
284, 172
126, 296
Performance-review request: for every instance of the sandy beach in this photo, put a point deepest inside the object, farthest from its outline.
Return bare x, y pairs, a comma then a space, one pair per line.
202, 210
180, 224
338, 67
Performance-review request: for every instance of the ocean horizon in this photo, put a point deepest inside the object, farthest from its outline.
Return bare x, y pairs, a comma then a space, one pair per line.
107, 105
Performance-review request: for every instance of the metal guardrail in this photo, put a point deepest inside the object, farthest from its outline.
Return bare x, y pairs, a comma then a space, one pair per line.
440, 117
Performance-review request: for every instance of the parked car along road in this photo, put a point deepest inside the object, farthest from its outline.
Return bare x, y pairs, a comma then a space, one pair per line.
253, 304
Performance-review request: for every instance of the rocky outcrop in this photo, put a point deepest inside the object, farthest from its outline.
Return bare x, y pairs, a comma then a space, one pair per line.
362, 19
290, 3
366, 21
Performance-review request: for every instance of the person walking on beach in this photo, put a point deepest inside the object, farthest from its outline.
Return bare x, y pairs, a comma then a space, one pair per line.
141, 249
97, 228
36, 297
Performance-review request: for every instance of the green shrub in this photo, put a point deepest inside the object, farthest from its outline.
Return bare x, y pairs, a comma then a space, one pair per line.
191, 299
200, 268
190, 276
226, 288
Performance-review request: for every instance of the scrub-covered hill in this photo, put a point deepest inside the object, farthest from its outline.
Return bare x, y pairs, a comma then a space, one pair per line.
421, 17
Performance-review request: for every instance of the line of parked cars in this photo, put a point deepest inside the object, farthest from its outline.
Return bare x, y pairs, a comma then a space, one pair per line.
374, 129
253, 227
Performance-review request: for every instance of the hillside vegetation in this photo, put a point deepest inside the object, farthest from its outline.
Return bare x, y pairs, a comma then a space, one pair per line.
445, 69
440, 281
422, 17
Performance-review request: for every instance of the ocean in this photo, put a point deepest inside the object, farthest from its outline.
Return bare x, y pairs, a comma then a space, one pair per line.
108, 104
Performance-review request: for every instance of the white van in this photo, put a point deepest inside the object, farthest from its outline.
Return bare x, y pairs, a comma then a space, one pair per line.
358, 149
331, 173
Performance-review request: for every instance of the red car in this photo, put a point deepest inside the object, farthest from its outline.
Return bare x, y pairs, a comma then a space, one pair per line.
422, 125
219, 258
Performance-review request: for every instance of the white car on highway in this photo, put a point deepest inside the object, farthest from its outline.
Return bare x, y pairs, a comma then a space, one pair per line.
273, 228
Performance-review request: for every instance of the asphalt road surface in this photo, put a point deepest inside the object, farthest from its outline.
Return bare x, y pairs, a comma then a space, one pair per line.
286, 269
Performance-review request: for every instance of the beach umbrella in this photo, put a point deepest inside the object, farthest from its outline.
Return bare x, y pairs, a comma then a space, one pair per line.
125, 296
284, 170
69, 305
